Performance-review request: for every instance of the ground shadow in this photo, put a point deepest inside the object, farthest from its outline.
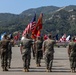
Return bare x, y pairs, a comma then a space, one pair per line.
37, 67
61, 58
16, 67
41, 69
15, 70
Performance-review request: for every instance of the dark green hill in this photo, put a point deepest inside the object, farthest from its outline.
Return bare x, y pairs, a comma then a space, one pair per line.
70, 7
45, 10
55, 19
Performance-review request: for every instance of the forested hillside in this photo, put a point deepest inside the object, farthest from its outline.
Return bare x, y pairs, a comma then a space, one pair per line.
55, 19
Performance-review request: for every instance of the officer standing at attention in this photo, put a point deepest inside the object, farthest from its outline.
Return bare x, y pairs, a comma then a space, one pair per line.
25, 48
48, 49
4, 52
72, 54
39, 53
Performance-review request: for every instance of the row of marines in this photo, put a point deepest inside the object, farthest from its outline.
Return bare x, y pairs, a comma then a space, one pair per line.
40, 47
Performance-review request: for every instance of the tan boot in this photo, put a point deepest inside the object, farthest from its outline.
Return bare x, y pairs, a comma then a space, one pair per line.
25, 70
3, 68
47, 70
37, 65
50, 70
72, 70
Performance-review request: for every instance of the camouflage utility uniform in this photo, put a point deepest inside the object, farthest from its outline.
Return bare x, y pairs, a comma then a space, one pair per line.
26, 52
11, 44
38, 45
72, 55
48, 45
33, 49
4, 54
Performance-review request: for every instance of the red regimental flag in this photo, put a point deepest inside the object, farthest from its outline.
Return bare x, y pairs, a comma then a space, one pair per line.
38, 34
38, 27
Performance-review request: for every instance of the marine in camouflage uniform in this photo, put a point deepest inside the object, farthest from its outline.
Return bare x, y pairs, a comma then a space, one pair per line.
11, 44
39, 53
4, 53
48, 48
72, 54
25, 48
33, 49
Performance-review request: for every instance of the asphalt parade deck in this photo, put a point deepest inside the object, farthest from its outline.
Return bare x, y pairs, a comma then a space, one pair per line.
61, 65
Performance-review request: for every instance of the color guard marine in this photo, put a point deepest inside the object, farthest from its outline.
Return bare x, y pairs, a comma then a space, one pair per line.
39, 53
11, 44
25, 48
48, 49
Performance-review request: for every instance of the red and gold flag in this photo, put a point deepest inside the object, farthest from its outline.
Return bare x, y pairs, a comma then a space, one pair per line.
38, 27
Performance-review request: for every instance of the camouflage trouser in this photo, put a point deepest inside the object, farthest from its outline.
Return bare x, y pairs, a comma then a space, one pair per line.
38, 56
9, 58
72, 62
48, 60
4, 57
33, 51
26, 60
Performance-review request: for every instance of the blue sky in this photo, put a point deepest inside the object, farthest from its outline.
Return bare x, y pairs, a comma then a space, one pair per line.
18, 6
